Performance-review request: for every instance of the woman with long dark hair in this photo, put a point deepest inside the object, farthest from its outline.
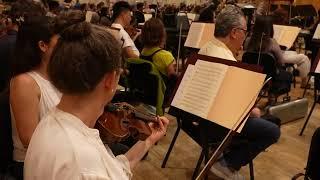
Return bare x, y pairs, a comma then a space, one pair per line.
262, 40
31, 93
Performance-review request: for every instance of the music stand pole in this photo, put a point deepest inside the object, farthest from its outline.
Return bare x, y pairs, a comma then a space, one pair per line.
179, 47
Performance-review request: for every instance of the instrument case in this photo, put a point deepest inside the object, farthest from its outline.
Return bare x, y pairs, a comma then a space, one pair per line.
289, 111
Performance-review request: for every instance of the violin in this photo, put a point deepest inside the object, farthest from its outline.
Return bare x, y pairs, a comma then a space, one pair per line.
132, 31
121, 120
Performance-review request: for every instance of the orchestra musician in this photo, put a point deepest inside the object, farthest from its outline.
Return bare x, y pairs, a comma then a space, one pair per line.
121, 18
262, 37
85, 67
259, 134
31, 93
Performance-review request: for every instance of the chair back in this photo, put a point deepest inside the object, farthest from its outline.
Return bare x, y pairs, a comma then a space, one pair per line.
6, 143
312, 169
169, 20
184, 22
281, 79
145, 83
267, 61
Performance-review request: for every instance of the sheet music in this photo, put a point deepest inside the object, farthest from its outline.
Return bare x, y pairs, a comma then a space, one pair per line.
285, 35
89, 16
201, 89
192, 16
317, 68
317, 33
194, 35
147, 17
185, 80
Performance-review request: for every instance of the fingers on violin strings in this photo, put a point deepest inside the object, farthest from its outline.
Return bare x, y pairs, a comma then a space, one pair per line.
161, 124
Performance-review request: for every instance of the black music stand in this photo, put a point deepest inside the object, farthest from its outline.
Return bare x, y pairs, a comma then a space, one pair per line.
316, 89
183, 118
304, 10
248, 12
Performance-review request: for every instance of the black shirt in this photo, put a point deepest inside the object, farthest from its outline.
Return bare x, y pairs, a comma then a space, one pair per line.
7, 44
139, 17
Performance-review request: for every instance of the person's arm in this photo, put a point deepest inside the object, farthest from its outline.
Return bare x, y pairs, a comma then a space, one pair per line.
24, 101
129, 53
255, 113
136, 153
171, 69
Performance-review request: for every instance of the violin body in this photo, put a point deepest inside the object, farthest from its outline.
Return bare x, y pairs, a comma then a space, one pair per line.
122, 120
131, 30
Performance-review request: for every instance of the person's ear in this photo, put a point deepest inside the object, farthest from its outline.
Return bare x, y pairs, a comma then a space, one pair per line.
233, 33
43, 46
110, 80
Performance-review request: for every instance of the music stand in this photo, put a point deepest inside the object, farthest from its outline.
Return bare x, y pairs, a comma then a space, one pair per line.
316, 75
180, 113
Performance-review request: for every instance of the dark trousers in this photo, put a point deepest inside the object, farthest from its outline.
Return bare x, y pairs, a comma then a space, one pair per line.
257, 135
15, 171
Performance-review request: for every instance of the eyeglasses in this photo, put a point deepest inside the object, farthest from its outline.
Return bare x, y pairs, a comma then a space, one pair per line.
244, 30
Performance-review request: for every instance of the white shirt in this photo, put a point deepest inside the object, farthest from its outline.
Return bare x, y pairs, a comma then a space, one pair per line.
64, 148
49, 98
127, 41
216, 48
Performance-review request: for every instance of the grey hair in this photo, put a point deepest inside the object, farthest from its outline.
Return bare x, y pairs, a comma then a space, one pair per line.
228, 18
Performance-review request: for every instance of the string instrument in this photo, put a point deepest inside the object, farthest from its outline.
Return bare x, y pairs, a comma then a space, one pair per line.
121, 120
132, 31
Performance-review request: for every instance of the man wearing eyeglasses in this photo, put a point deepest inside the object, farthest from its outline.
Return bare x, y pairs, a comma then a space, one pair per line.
229, 35
257, 134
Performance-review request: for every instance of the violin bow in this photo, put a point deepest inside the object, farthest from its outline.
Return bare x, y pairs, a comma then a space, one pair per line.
179, 44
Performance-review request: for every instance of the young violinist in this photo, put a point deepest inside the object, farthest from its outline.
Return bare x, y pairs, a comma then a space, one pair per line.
85, 66
121, 19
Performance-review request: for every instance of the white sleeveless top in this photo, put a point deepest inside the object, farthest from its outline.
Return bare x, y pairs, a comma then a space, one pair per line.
49, 98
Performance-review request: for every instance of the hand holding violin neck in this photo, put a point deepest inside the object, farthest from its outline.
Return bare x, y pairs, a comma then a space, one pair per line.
145, 117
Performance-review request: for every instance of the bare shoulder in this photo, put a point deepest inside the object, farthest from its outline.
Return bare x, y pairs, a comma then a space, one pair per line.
24, 83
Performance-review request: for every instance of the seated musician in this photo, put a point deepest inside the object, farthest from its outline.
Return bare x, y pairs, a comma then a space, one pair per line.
264, 27
154, 38
121, 18
138, 14
65, 145
259, 134
31, 93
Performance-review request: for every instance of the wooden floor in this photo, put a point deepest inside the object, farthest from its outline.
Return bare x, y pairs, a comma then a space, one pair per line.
280, 162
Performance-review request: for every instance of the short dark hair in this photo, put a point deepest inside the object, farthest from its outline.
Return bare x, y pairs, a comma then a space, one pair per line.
227, 19
153, 32
83, 55
104, 11
53, 5
140, 5
120, 7
27, 54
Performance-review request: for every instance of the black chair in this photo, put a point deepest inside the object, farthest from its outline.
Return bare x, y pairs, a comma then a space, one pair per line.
169, 21
316, 100
146, 84
313, 164
6, 143
281, 79
200, 131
